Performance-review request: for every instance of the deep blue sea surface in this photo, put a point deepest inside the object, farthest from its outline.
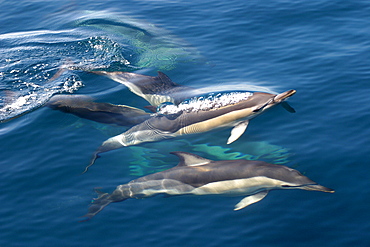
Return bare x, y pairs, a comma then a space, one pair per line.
319, 48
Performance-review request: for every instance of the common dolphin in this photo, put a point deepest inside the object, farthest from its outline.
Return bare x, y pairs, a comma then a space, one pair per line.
196, 175
154, 89
177, 110
196, 115
152, 46
84, 106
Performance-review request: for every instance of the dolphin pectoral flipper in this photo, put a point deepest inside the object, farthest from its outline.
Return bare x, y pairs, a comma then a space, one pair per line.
237, 131
287, 107
246, 201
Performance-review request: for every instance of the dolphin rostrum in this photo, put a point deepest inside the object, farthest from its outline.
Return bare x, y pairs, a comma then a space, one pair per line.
196, 115
195, 175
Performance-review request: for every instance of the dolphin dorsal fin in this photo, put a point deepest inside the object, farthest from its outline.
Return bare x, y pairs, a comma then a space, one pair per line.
189, 159
165, 79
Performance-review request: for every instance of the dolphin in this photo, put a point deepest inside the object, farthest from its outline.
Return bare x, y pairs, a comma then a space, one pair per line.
196, 115
152, 46
195, 175
83, 106
154, 89
179, 110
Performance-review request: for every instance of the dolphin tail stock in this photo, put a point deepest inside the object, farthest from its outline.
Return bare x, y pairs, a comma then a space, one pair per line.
92, 161
108, 145
97, 204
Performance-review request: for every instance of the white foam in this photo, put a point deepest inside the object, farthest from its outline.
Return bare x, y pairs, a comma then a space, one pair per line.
204, 103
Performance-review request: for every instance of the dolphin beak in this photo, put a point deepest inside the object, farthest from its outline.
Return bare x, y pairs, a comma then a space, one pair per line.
280, 97
317, 187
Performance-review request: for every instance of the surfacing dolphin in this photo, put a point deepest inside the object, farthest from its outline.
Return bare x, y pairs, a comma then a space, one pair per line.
195, 175
154, 89
194, 115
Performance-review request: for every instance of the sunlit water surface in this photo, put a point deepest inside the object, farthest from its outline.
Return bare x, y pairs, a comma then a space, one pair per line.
319, 48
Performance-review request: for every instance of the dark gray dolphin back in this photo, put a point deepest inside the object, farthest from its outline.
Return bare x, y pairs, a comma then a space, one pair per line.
173, 122
84, 107
215, 171
163, 85
155, 89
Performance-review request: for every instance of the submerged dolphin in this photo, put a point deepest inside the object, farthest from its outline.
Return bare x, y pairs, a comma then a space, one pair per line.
84, 106
154, 89
197, 115
199, 176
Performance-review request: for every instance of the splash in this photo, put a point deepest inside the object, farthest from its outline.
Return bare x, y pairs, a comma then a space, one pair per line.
204, 103
151, 46
91, 41
27, 96
33, 66
97, 53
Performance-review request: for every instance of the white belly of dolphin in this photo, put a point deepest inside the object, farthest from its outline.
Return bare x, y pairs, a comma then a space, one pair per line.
240, 186
220, 121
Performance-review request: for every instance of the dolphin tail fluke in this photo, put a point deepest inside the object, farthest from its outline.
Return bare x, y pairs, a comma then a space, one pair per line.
97, 205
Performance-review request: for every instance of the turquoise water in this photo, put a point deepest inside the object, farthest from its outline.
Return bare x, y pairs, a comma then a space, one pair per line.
319, 48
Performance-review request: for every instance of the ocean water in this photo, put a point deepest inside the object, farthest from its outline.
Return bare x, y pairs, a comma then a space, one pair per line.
319, 48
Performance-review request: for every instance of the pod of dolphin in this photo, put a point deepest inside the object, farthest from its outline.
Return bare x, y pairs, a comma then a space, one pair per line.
179, 110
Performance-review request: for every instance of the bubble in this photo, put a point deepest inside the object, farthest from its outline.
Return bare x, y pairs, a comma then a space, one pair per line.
204, 102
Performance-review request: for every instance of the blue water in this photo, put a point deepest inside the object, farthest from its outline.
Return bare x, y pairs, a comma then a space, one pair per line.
319, 48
